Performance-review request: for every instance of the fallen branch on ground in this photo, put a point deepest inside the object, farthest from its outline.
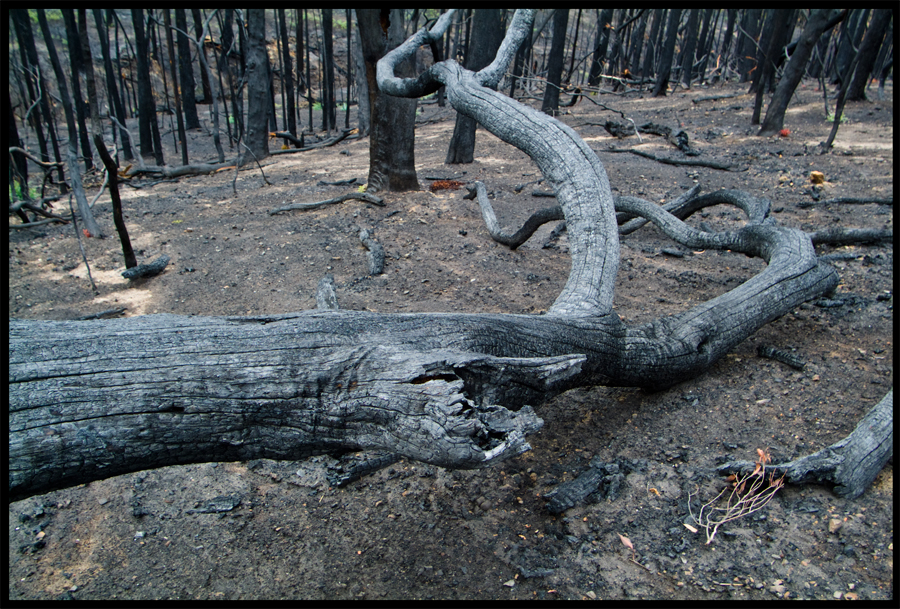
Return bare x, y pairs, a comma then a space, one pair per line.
330, 142
847, 236
176, 172
668, 161
147, 270
845, 201
361, 196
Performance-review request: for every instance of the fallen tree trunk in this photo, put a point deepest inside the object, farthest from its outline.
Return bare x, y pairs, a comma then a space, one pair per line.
95, 399
193, 169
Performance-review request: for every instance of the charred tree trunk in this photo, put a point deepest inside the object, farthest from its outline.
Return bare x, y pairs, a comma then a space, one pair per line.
76, 62
96, 399
667, 54
115, 100
392, 120
550, 105
148, 127
84, 209
22, 23
793, 72
287, 75
778, 39
487, 31
329, 113
257, 85
186, 72
690, 45
598, 58
868, 52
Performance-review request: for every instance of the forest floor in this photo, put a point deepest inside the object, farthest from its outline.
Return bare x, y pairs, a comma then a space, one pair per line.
418, 531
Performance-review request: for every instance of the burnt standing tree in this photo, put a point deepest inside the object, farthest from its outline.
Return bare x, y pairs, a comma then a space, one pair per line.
392, 120
488, 33
90, 400
257, 139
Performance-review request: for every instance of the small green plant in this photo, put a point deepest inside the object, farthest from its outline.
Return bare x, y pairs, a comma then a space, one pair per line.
829, 118
15, 192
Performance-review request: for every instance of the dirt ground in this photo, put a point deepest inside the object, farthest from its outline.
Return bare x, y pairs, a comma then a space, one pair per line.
277, 530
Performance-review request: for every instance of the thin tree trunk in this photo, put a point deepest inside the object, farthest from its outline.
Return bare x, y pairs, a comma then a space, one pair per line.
667, 54
781, 24
868, 52
486, 29
328, 104
76, 63
690, 46
287, 74
793, 72
204, 64
257, 138
550, 104
28, 53
186, 72
90, 224
182, 136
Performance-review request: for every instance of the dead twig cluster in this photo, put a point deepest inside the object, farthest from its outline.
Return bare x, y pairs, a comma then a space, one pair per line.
748, 494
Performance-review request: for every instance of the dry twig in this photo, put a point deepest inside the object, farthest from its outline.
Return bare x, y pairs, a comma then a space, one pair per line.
748, 494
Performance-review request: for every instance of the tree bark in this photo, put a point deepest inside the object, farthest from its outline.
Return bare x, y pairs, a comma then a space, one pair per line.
101, 398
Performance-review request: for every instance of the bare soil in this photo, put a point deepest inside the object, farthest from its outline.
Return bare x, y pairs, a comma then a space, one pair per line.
278, 530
